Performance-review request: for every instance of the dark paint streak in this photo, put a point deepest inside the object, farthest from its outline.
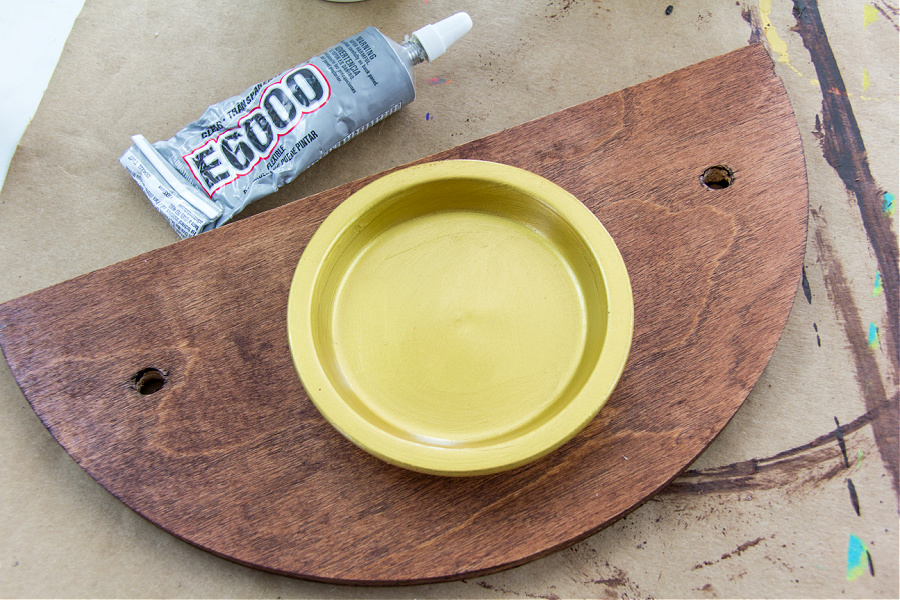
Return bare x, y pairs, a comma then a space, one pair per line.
736, 552
756, 31
845, 151
887, 16
783, 468
871, 564
840, 439
617, 582
868, 374
807, 291
770, 472
740, 549
502, 590
613, 582
487, 586
854, 499
817, 130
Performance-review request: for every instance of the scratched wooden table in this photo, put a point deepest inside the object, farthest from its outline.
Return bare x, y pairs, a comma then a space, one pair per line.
798, 495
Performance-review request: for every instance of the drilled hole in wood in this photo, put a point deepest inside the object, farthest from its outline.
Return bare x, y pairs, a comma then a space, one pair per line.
717, 178
149, 381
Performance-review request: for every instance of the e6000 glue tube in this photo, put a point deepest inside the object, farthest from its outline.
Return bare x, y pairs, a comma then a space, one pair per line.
250, 145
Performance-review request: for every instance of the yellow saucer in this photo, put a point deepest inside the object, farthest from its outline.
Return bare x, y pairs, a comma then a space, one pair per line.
460, 317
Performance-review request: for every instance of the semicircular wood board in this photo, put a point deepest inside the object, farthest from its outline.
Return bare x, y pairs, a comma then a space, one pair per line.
231, 455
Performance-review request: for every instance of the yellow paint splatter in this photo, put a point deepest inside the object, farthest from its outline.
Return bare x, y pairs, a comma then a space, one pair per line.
778, 45
870, 15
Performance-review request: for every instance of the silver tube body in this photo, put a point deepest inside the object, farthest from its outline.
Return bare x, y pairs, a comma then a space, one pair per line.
248, 146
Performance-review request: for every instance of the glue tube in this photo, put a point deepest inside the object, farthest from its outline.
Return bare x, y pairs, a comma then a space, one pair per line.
250, 145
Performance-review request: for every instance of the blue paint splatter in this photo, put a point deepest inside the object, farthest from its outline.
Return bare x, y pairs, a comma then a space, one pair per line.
874, 337
427, 116
889, 204
857, 558
879, 286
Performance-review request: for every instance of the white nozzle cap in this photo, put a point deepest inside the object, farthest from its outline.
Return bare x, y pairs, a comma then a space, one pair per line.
437, 37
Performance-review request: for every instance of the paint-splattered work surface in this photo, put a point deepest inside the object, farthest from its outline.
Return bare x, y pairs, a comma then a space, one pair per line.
796, 498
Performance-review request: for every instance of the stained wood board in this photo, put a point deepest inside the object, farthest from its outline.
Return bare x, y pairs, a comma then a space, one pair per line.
232, 456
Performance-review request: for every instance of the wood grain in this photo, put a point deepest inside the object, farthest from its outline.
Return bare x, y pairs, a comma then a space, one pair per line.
231, 455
